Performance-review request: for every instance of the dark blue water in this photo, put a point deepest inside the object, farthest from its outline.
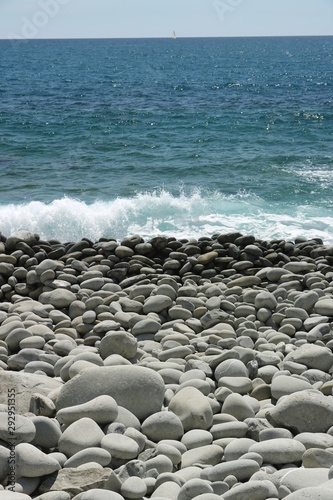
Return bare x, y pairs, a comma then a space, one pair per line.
181, 137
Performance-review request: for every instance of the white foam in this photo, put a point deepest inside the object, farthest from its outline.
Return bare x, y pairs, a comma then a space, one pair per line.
161, 213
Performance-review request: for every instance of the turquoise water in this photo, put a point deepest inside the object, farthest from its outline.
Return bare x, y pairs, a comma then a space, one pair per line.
184, 137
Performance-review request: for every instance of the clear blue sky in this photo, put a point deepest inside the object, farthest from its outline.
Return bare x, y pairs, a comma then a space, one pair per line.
157, 18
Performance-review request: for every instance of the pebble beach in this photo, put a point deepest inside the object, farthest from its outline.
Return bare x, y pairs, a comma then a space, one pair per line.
179, 369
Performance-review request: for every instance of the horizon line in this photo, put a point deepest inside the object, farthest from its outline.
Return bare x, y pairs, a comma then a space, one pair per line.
162, 37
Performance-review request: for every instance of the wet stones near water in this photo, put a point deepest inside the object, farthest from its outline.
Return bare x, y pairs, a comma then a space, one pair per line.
171, 369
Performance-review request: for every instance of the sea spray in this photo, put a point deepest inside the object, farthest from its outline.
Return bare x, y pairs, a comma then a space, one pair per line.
162, 213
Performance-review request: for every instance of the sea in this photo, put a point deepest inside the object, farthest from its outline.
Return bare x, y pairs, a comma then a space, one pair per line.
184, 138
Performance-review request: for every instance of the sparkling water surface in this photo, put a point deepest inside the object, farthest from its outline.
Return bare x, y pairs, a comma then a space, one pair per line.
184, 137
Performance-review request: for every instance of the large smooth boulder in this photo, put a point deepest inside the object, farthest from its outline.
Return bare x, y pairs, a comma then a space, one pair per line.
312, 356
279, 451
58, 298
138, 389
306, 411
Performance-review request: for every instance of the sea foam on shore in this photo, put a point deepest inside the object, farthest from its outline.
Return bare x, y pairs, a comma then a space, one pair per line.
163, 213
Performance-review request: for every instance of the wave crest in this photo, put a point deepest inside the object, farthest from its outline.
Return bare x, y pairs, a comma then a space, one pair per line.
162, 213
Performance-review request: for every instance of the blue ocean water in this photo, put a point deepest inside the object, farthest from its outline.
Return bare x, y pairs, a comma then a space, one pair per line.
185, 138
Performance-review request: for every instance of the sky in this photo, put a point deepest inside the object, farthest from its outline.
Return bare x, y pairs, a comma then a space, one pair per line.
158, 18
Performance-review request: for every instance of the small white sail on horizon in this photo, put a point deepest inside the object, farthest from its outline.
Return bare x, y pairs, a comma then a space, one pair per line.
174, 35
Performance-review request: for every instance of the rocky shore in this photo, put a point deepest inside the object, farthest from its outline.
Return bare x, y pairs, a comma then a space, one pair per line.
166, 369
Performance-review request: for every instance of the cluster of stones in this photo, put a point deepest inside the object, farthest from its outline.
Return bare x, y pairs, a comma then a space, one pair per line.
181, 370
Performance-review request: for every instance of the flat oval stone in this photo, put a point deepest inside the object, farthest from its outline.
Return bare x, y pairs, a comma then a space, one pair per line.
229, 429
106, 326
244, 282
32, 342
41, 366
297, 479
145, 326
122, 251
284, 385
156, 303
93, 454
239, 385
273, 433
315, 440
299, 267
196, 438
59, 298
140, 390
279, 451
205, 455
175, 352
242, 469
93, 283
237, 448
324, 307
207, 257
